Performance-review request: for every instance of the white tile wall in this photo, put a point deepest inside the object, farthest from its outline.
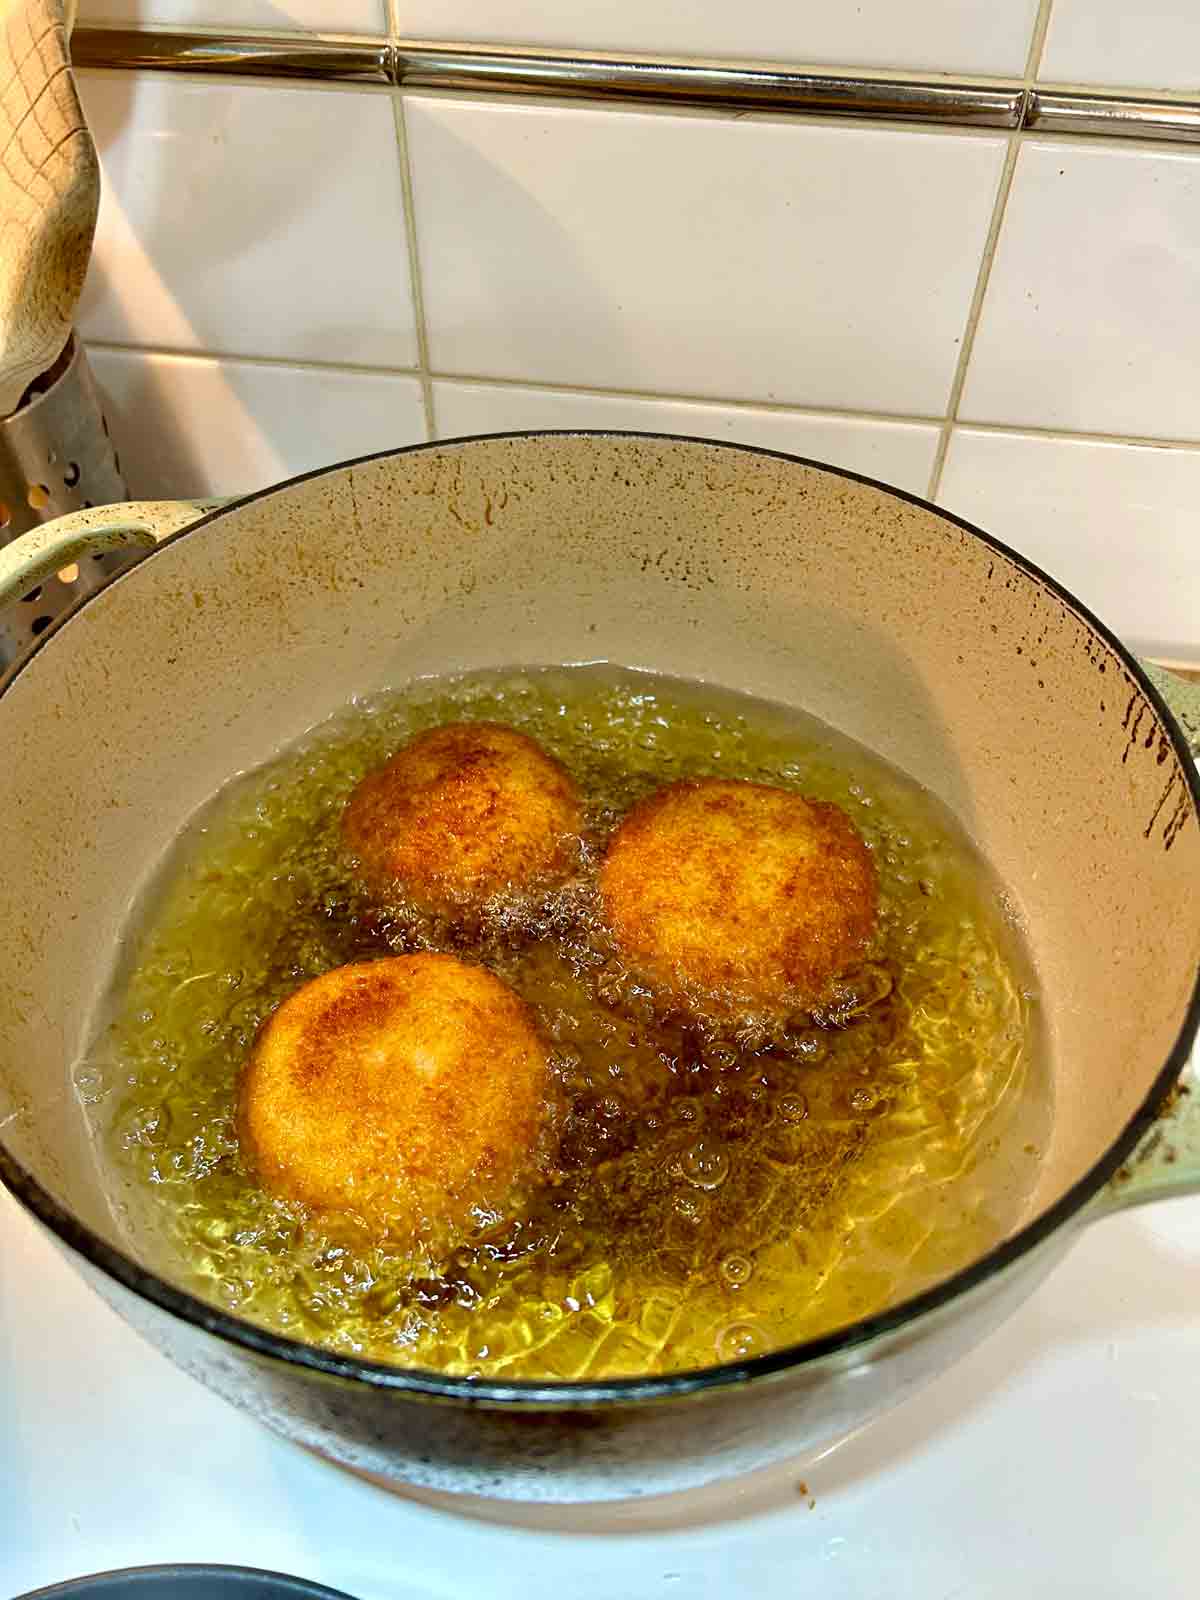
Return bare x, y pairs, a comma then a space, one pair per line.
249, 221
1150, 43
762, 260
331, 16
229, 427
968, 35
799, 285
1091, 313
897, 452
1115, 523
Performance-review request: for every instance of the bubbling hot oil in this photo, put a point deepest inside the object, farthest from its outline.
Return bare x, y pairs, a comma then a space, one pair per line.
722, 1192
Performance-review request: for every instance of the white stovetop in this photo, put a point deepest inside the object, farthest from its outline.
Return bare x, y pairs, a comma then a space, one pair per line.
1061, 1458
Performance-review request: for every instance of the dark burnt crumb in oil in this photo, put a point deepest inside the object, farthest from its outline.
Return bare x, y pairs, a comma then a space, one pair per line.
721, 1190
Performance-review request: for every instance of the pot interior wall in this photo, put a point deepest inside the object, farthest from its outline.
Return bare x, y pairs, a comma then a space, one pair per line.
757, 572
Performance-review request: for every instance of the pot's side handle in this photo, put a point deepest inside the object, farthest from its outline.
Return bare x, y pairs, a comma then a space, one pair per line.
43, 551
1182, 697
1167, 1162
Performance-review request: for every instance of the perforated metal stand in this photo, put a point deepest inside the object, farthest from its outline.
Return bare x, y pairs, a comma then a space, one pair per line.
56, 456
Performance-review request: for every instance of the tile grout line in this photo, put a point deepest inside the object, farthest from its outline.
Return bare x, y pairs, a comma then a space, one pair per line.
671, 397
391, 24
493, 380
414, 263
974, 310
1033, 59
356, 369
1037, 42
1141, 441
770, 407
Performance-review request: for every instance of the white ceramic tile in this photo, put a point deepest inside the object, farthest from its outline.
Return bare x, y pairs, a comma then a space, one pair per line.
899, 453
248, 220
1115, 523
979, 35
1153, 44
1090, 316
188, 425
329, 16
759, 260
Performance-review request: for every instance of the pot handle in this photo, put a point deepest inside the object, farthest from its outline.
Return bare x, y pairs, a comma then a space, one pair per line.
1183, 700
1167, 1161
40, 553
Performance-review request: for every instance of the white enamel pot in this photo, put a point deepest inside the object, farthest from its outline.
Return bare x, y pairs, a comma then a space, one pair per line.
890, 619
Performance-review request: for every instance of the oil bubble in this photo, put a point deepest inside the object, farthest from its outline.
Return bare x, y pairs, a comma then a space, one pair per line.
792, 1107
722, 1058
705, 1164
89, 1082
737, 1270
740, 1341
864, 1099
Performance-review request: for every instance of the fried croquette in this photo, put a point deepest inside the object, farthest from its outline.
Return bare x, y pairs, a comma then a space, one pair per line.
739, 894
462, 813
407, 1091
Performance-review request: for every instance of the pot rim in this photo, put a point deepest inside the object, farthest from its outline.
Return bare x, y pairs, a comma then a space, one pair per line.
530, 1394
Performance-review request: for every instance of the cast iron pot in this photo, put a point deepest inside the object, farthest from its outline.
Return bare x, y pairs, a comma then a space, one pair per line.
894, 621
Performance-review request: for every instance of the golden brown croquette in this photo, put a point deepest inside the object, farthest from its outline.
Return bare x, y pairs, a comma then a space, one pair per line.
739, 893
406, 1091
462, 813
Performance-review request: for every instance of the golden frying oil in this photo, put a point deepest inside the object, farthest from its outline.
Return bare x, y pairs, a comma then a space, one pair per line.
721, 1194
